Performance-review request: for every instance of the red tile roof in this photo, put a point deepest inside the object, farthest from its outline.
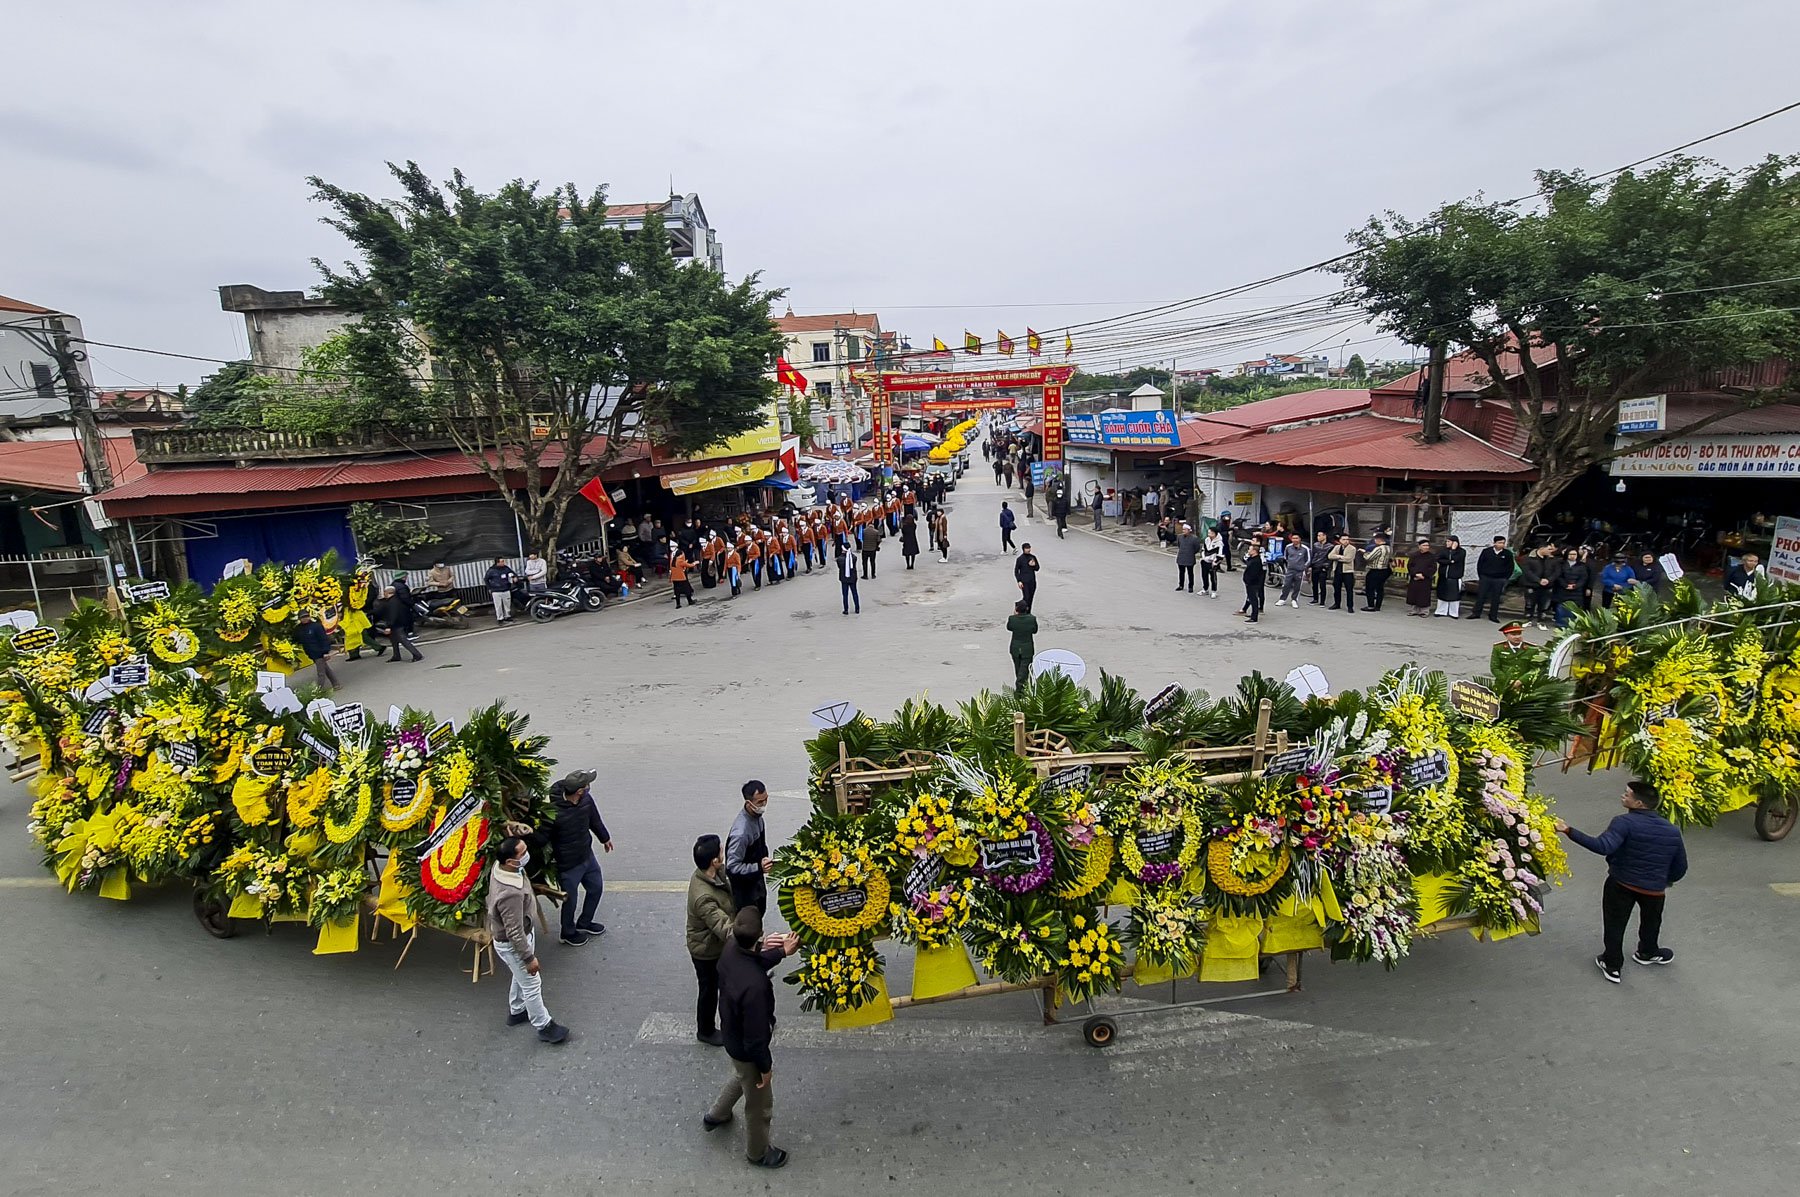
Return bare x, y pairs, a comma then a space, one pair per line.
56, 465
1466, 374
851, 321
19, 305
1367, 441
1291, 408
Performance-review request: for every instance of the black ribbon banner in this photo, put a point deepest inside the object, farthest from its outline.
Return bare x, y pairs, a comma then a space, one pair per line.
1429, 770
922, 878
840, 902
183, 756
1165, 698
1075, 777
1156, 843
1007, 854
459, 814
1291, 761
324, 751
96, 720
440, 737
271, 761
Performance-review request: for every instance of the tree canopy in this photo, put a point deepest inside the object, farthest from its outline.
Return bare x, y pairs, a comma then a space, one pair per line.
1621, 288
549, 341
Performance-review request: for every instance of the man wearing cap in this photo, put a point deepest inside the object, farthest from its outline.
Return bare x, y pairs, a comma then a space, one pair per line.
572, 836
1512, 655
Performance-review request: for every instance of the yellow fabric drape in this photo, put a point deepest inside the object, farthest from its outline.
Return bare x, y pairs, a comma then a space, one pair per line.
354, 623
245, 907
1293, 928
942, 970
1231, 948
877, 1009
339, 936
113, 884
390, 900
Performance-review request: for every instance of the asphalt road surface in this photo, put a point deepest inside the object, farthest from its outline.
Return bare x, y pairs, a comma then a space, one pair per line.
140, 1056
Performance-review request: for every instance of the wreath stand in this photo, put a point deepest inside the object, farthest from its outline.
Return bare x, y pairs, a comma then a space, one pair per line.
854, 781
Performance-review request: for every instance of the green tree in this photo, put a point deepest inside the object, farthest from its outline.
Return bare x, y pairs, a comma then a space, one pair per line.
799, 419
1632, 285
552, 341
387, 538
1357, 369
214, 403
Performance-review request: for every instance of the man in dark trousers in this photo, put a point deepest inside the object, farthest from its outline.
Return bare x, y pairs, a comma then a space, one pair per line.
747, 1016
572, 836
1023, 625
395, 615
1253, 585
1008, 521
1187, 552
710, 912
1493, 570
747, 850
846, 571
1025, 571
871, 546
1226, 532
316, 643
1644, 857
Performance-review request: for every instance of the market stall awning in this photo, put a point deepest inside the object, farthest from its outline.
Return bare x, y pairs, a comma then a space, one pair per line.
1364, 447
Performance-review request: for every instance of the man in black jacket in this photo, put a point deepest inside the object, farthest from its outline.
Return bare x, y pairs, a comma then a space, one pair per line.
578, 824
316, 643
1644, 857
1493, 570
395, 614
1025, 572
747, 1017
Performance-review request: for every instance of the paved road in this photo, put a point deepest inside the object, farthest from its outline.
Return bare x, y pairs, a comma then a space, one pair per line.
140, 1056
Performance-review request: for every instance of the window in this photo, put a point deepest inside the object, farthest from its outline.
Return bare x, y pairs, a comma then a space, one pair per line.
822, 390
821, 351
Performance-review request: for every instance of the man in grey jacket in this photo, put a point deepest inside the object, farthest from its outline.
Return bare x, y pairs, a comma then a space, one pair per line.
747, 850
509, 904
1187, 552
1298, 557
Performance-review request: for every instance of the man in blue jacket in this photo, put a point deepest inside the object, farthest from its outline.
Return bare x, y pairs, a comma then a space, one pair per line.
1644, 857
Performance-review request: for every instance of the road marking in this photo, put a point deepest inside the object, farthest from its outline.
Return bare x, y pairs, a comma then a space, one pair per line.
1221, 1042
646, 887
29, 883
1787, 889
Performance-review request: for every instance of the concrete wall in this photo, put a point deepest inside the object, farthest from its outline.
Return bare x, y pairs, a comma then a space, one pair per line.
278, 338
19, 397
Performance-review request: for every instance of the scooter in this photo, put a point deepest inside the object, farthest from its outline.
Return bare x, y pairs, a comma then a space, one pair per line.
439, 609
568, 595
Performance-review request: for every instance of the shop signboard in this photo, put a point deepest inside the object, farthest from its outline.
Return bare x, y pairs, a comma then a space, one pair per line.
1776, 455
1784, 552
1649, 414
1141, 429
1081, 430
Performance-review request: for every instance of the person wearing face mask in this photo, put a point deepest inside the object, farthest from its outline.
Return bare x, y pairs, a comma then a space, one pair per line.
747, 850
709, 914
509, 904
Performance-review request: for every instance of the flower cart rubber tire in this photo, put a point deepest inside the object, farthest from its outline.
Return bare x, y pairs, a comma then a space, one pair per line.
543, 612
211, 913
1776, 817
1100, 1031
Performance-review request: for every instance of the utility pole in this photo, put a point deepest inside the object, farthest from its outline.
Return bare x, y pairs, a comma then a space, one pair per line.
54, 340
1434, 396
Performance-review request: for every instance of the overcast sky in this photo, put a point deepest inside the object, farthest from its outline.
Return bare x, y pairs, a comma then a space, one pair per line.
949, 165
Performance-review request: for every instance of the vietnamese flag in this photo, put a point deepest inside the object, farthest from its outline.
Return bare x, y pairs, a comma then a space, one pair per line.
595, 493
787, 376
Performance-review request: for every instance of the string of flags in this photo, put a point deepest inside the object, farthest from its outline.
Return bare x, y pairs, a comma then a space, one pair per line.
1005, 345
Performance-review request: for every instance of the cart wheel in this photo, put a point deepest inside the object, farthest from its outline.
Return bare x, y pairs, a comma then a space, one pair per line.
1775, 817
211, 913
1100, 1031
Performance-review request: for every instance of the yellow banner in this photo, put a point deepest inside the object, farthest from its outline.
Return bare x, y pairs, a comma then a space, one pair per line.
717, 476
764, 438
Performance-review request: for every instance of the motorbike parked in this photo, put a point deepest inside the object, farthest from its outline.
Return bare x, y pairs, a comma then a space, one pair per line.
439, 609
569, 594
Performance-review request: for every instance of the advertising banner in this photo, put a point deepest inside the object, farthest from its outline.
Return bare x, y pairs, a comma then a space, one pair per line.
1142, 429
1053, 423
1772, 456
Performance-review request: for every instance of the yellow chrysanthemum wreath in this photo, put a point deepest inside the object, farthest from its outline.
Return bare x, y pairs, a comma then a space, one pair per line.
1192, 836
874, 911
1096, 866
1220, 872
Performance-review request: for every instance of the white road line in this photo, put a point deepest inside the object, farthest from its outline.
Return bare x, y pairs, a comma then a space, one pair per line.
1787, 889
1222, 1042
29, 883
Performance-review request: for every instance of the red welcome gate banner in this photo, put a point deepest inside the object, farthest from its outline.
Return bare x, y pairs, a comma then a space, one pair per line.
998, 404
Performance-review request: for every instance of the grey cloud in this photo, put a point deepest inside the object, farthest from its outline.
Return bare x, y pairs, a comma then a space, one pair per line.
60, 139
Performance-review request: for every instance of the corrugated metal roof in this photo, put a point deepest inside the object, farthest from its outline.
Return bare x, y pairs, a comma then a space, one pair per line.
1371, 442
1749, 421
19, 305
268, 479
57, 466
1291, 408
